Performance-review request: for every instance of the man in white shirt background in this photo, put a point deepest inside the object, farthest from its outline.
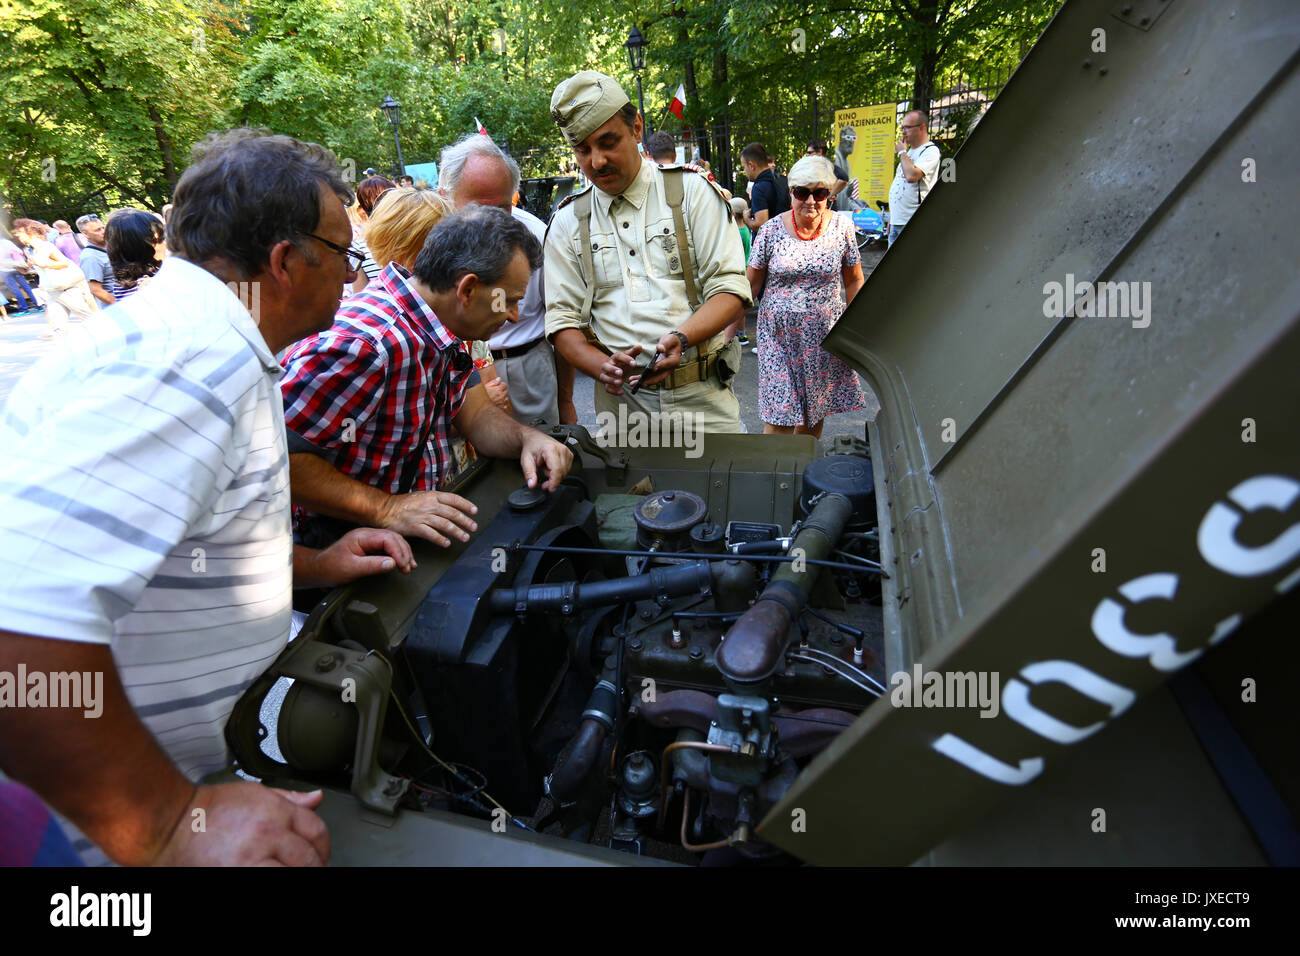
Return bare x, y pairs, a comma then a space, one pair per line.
475, 171
918, 168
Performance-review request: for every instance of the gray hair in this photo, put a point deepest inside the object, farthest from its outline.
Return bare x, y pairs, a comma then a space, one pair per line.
482, 240
246, 190
812, 171
454, 158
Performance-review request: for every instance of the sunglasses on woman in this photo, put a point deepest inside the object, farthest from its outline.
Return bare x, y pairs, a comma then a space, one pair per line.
802, 193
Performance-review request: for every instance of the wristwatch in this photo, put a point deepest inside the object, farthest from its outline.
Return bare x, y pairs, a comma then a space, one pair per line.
686, 343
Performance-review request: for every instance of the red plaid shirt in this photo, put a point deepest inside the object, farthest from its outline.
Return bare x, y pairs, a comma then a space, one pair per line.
361, 389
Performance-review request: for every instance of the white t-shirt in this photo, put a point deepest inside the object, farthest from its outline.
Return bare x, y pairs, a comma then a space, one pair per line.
144, 504
904, 197
532, 310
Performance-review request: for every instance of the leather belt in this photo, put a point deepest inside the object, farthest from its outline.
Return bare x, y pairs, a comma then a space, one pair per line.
500, 355
690, 371
698, 369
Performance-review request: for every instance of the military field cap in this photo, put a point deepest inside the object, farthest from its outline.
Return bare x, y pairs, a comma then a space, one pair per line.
584, 102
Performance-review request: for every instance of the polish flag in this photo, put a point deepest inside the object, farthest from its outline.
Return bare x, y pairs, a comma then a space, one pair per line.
679, 101
480, 126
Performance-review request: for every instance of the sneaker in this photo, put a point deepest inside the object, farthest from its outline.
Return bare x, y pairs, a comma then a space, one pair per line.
744, 339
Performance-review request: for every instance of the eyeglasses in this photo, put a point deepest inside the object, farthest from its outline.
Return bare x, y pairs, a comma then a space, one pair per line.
913, 126
354, 258
802, 193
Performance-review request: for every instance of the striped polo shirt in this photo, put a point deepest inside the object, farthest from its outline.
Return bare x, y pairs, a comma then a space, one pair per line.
144, 503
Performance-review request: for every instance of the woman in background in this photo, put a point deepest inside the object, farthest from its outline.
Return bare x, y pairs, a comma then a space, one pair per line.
62, 283
368, 193
136, 247
803, 255
396, 233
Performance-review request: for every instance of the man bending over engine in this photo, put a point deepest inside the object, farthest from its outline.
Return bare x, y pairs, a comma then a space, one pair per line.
370, 403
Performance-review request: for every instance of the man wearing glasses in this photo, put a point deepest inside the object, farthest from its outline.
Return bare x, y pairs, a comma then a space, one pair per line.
94, 259
145, 523
918, 168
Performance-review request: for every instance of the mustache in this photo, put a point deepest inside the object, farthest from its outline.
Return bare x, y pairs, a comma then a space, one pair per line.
605, 171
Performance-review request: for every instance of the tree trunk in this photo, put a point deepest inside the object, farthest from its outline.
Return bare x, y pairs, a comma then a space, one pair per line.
927, 21
722, 170
164, 147
693, 97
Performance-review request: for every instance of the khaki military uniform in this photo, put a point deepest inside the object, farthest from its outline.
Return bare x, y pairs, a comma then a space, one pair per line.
640, 291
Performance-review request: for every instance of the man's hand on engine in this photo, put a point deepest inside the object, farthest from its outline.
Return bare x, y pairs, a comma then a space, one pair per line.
541, 451
359, 553
435, 516
247, 824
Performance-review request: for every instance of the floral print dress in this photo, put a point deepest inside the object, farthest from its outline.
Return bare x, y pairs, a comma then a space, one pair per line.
799, 382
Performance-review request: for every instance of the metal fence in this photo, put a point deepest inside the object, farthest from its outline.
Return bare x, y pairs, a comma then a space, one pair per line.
100, 202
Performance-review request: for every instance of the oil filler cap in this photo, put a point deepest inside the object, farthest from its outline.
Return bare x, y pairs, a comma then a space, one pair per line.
525, 498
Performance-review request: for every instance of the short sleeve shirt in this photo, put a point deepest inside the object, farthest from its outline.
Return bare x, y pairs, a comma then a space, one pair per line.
144, 505
366, 390
767, 195
640, 288
67, 244
11, 257
905, 198
532, 308
95, 266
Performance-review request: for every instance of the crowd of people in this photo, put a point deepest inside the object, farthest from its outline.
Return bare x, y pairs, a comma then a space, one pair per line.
80, 272
286, 379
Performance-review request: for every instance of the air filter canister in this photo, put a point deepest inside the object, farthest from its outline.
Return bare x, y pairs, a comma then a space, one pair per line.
847, 475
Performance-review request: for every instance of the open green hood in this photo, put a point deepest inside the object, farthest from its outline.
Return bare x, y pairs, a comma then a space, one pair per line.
1078, 503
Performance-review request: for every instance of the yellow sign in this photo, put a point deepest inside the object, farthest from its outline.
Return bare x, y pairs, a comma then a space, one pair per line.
864, 144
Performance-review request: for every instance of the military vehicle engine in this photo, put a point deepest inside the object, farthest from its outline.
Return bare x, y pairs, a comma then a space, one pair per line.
647, 671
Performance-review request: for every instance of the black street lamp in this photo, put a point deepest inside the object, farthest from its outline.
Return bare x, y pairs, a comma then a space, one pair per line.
636, 45
393, 113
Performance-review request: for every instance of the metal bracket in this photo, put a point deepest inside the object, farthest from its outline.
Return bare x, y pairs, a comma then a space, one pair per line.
615, 463
327, 667
1141, 14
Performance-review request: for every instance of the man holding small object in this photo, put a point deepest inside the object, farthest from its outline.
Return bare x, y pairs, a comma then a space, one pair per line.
918, 168
645, 260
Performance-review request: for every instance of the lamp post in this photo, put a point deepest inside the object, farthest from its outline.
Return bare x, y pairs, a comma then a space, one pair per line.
636, 45
393, 112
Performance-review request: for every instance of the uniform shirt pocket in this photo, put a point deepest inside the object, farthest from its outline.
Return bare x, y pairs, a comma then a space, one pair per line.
604, 255
665, 258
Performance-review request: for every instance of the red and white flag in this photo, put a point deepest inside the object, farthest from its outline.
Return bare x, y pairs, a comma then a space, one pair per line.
480, 126
679, 101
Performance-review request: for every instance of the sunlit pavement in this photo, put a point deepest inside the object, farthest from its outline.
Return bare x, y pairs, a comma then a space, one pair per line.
21, 346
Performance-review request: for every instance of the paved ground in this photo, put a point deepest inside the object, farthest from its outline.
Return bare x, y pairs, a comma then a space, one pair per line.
20, 346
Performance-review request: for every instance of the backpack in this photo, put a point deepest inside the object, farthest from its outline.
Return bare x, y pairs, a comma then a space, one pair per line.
782, 201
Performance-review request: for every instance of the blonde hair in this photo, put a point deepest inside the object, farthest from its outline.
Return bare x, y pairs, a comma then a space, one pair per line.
400, 222
812, 171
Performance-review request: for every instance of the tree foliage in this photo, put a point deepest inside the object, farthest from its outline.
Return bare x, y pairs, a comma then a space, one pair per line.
116, 91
